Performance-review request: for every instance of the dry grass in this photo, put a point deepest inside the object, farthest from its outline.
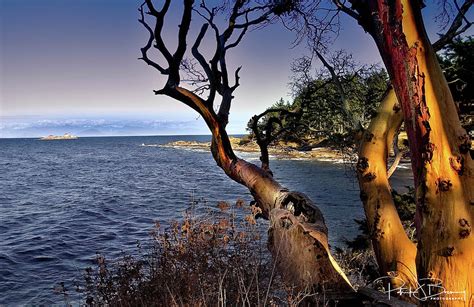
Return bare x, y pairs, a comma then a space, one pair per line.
360, 266
217, 258
213, 256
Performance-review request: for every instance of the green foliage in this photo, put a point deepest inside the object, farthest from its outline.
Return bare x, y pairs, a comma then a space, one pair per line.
320, 101
405, 204
376, 88
281, 7
362, 241
457, 63
319, 98
406, 208
288, 124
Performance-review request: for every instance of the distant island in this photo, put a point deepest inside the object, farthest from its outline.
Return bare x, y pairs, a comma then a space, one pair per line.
66, 136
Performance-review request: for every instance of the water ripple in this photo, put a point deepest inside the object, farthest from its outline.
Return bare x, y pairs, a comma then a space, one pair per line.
63, 202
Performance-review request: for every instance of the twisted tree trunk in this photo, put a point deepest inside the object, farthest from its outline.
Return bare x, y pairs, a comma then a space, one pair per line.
298, 236
439, 146
394, 251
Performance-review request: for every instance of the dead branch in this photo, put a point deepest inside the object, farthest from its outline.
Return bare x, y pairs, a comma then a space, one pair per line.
456, 28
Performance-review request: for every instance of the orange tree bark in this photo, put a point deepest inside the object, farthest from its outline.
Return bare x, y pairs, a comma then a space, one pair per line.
298, 234
442, 166
393, 249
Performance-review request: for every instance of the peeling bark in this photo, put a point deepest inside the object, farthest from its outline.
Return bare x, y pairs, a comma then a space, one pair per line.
298, 235
442, 167
311, 269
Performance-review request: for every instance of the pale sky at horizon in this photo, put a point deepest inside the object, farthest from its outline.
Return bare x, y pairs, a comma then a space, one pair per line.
74, 59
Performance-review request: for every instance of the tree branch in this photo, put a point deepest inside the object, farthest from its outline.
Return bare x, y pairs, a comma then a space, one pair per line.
144, 50
341, 6
277, 203
393, 249
237, 79
344, 107
160, 16
177, 58
455, 28
202, 61
398, 156
265, 139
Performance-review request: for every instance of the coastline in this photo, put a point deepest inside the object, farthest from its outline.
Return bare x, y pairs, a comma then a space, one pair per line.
279, 151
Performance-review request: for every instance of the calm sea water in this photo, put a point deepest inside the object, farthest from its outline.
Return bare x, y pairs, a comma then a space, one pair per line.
61, 202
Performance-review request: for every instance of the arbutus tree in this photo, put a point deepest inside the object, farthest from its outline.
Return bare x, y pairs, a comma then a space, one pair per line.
439, 146
441, 162
298, 234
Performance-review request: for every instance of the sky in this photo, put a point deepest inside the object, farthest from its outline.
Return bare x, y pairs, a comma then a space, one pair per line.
73, 64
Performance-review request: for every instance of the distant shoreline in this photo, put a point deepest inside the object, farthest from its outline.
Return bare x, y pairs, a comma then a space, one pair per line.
120, 136
280, 151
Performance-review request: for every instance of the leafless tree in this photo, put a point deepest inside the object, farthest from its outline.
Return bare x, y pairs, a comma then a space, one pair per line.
295, 220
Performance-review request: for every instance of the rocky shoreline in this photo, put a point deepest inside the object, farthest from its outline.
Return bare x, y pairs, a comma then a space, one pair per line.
280, 151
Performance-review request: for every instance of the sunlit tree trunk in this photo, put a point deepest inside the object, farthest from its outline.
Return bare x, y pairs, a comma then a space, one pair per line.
439, 146
298, 234
393, 249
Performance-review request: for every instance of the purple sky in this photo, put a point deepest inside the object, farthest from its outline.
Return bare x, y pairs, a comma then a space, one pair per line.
77, 59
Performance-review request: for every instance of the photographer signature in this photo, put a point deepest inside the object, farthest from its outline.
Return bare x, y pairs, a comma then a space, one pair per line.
429, 289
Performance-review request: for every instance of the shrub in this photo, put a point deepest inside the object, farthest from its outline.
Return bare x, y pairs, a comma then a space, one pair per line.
216, 257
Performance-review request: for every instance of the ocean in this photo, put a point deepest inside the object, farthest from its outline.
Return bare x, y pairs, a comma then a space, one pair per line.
61, 202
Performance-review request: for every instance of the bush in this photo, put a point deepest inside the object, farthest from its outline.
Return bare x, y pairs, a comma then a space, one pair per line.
246, 139
216, 257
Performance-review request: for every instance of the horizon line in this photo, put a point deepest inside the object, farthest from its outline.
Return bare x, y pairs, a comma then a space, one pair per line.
111, 136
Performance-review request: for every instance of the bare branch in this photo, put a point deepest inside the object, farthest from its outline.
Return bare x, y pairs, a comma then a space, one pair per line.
183, 30
144, 50
398, 156
456, 26
255, 21
270, 133
344, 107
195, 76
341, 6
308, 227
242, 33
160, 16
155, 12
237, 79
316, 22
197, 54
